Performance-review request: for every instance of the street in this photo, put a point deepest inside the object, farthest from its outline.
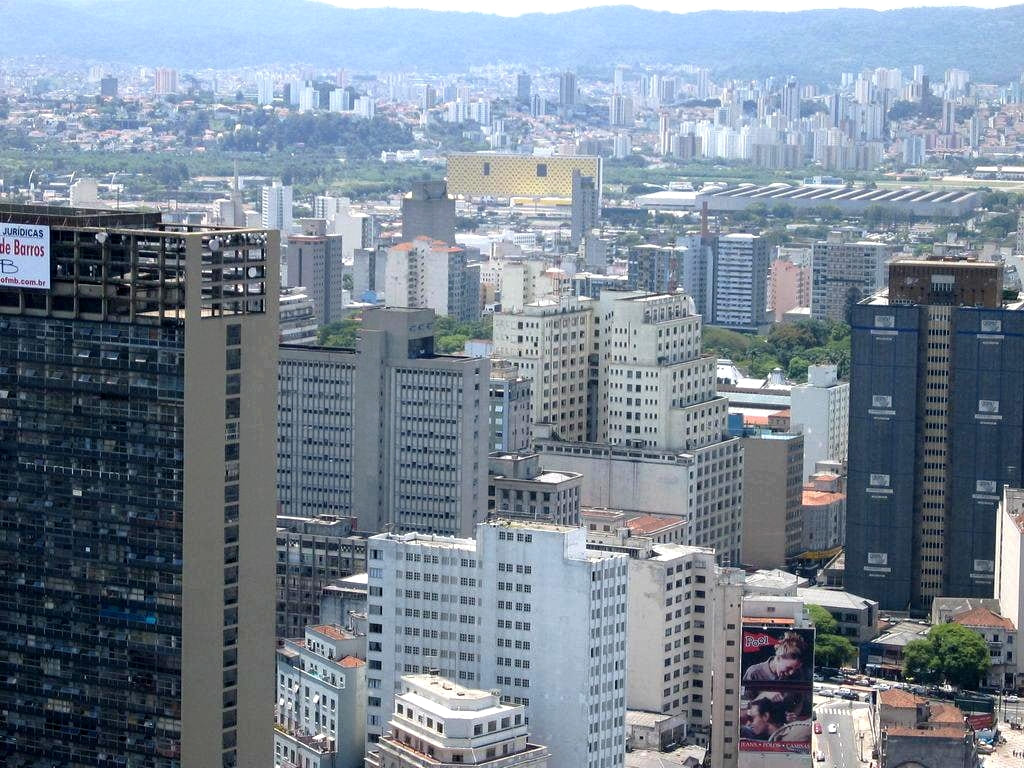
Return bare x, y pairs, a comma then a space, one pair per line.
843, 749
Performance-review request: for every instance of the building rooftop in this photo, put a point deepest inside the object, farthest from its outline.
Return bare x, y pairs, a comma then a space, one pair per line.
812, 498
832, 598
331, 631
983, 617
900, 699
947, 732
652, 524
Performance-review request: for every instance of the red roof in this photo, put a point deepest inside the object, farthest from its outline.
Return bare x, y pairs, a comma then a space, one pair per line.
351, 661
814, 498
900, 699
652, 523
983, 617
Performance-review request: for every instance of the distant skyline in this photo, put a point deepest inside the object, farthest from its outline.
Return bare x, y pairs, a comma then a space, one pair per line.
558, 6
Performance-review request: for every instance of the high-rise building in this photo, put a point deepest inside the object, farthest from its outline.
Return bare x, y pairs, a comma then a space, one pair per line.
431, 274
428, 211
388, 433
741, 282
165, 81
276, 208
620, 110
585, 210
311, 553
654, 268
523, 87
843, 272
365, 107
820, 409
789, 287
548, 340
510, 408
108, 87
298, 317
772, 497
440, 724
320, 714
483, 612
136, 383
264, 89
698, 254
1020, 233
790, 106
935, 365
314, 262
567, 91
517, 486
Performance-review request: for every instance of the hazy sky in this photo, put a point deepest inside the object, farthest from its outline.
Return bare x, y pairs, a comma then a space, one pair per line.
517, 7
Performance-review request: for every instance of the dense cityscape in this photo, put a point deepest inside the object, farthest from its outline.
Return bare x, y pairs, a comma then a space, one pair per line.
520, 417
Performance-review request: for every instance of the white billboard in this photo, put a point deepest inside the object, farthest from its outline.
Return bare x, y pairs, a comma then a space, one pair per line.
24, 256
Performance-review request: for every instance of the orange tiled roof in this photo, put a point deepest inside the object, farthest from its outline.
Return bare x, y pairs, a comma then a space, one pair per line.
897, 697
982, 617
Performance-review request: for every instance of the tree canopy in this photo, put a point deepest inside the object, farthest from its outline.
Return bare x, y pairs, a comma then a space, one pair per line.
830, 648
790, 346
951, 653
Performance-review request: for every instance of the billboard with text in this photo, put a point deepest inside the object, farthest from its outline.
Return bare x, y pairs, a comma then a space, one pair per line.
24, 256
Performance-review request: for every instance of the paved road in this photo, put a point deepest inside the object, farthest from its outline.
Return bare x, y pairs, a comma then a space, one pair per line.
842, 749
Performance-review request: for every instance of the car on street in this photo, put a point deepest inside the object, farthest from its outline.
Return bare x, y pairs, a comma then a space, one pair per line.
833, 728
817, 727
819, 756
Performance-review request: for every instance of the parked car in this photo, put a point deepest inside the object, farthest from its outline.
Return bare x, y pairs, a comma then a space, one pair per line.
819, 756
817, 727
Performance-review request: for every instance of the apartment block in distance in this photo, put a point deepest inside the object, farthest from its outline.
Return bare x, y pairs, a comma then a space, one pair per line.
136, 375
843, 272
740, 296
315, 262
484, 613
440, 724
510, 407
430, 274
548, 340
936, 430
820, 409
389, 433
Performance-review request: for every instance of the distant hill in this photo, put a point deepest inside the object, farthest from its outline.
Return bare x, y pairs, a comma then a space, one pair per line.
814, 45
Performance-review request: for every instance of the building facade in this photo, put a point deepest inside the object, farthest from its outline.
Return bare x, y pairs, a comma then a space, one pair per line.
437, 723
320, 711
312, 553
548, 340
388, 433
741, 282
820, 409
428, 211
276, 208
843, 273
133, 429
430, 274
932, 366
772, 498
315, 262
518, 487
483, 613
503, 176
510, 408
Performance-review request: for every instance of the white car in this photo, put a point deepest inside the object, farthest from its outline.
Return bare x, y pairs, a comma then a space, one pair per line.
819, 756
833, 728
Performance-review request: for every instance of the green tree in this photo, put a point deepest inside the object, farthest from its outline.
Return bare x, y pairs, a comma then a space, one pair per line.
950, 653
454, 342
962, 652
340, 334
833, 650
824, 622
919, 662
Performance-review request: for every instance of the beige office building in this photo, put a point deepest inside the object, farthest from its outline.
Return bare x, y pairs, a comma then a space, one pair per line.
490, 174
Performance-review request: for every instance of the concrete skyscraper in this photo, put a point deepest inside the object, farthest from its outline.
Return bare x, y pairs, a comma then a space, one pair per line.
388, 433
137, 513
314, 261
740, 297
429, 211
567, 90
523, 87
843, 272
937, 362
586, 207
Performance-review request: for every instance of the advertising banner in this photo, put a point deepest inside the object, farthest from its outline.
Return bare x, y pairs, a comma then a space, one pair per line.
24, 256
777, 696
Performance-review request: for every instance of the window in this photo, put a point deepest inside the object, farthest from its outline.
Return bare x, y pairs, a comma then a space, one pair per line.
542, 170
234, 335
487, 169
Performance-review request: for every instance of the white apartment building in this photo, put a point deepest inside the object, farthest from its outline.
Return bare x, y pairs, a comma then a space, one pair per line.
726, 621
437, 723
821, 410
320, 713
672, 589
486, 613
549, 340
656, 389
741, 281
276, 208
425, 273
1009, 546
